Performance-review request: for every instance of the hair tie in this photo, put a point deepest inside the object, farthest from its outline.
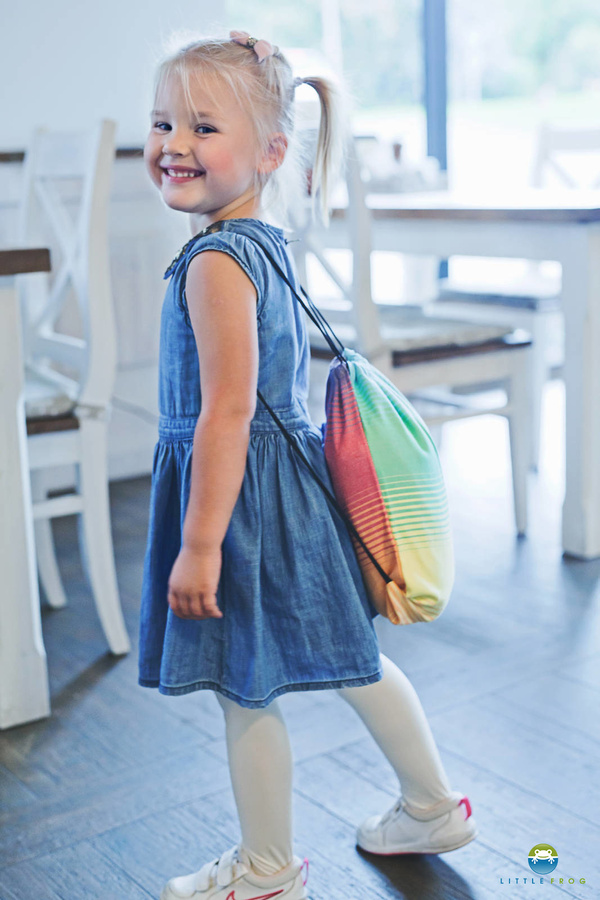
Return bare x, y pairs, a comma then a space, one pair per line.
261, 48
298, 81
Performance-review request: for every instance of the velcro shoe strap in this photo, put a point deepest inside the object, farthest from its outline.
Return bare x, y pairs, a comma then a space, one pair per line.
225, 874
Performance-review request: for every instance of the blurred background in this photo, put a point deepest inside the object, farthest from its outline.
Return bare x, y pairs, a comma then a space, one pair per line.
452, 94
510, 66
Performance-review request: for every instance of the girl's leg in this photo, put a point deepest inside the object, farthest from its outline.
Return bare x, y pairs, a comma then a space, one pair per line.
392, 712
260, 763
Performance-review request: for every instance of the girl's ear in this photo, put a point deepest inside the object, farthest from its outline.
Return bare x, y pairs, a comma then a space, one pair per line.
275, 154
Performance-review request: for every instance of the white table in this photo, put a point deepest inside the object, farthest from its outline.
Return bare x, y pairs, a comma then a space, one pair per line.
535, 224
24, 694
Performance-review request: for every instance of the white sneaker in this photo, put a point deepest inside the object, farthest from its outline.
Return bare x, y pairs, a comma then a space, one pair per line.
230, 877
403, 829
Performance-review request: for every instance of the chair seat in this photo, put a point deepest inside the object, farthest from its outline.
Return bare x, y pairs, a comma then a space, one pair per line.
44, 398
515, 340
48, 424
536, 294
414, 336
409, 328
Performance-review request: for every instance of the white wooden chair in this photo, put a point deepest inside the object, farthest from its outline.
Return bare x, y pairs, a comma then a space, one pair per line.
69, 377
417, 351
529, 298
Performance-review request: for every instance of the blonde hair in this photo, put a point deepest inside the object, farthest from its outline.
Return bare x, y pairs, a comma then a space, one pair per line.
265, 90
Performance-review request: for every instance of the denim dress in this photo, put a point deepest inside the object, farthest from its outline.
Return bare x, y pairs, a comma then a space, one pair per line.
296, 614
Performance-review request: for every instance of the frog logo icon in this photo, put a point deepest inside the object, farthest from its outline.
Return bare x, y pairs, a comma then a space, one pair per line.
543, 859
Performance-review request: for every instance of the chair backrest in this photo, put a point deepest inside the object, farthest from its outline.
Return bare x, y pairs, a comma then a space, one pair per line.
554, 142
362, 311
65, 203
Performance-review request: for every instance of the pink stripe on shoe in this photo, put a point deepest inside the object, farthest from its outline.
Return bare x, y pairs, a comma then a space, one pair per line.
465, 800
305, 866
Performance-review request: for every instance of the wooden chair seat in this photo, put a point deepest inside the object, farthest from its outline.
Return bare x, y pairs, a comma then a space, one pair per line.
47, 424
514, 340
415, 336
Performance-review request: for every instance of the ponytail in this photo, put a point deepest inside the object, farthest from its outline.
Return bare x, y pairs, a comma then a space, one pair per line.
332, 142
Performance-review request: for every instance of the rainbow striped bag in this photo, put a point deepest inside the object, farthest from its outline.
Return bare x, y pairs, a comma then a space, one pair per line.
387, 479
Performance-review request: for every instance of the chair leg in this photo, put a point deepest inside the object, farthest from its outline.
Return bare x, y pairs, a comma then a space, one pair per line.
45, 552
95, 536
519, 425
538, 374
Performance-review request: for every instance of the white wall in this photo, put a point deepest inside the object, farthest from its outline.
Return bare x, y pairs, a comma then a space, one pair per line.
65, 64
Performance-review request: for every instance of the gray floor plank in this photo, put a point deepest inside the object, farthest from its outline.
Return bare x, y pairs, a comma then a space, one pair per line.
68, 817
78, 871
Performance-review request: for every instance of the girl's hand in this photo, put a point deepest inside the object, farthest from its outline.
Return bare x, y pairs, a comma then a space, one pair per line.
193, 584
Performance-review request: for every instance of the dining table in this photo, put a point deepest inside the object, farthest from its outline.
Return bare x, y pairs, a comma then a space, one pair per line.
24, 691
528, 223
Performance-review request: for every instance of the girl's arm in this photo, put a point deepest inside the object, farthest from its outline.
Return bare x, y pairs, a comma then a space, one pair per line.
222, 306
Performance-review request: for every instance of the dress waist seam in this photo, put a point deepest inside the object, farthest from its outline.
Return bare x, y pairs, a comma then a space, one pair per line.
177, 428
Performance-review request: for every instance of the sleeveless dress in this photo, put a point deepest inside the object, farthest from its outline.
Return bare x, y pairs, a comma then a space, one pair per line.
296, 614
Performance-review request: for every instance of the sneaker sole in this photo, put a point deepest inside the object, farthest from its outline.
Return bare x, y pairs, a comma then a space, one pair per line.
372, 848
168, 895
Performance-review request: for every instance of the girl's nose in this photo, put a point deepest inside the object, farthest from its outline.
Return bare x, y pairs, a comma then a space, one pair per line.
174, 145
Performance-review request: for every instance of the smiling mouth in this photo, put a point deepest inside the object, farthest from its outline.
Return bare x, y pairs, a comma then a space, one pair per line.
182, 174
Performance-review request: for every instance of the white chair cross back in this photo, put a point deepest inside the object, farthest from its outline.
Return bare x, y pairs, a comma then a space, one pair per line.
417, 351
69, 378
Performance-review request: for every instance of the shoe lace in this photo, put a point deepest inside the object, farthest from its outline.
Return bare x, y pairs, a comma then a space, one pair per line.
221, 871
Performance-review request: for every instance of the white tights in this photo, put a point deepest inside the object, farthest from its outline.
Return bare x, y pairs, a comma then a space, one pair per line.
260, 760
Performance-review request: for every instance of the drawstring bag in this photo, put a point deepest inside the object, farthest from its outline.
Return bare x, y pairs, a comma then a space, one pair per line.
387, 480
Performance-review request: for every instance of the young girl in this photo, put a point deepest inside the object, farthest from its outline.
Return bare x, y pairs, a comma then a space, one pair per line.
251, 584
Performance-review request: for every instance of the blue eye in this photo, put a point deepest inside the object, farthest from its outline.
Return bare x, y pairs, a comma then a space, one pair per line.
162, 125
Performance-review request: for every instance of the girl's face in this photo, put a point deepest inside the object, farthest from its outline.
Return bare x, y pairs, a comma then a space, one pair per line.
200, 165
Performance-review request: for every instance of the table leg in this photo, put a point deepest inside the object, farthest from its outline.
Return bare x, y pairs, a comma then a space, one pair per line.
24, 694
581, 303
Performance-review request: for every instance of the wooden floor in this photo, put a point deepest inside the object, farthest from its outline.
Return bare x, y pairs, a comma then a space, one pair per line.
123, 787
